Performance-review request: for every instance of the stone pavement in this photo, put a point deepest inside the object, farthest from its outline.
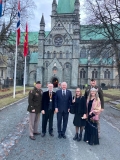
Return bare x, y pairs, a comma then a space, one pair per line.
16, 145
115, 102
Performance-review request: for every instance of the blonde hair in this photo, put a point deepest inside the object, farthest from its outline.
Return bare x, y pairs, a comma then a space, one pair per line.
96, 96
97, 100
80, 92
98, 107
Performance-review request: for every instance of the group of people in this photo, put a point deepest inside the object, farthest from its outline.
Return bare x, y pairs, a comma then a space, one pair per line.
86, 110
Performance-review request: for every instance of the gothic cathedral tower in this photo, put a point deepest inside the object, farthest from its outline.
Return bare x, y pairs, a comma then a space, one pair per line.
58, 57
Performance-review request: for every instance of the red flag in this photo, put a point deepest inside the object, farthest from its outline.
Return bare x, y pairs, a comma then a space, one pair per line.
26, 41
18, 25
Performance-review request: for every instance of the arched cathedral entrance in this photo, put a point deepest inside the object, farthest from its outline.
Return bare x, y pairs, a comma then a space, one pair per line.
55, 82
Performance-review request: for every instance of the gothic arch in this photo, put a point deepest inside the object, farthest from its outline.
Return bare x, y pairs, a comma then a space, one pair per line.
54, 54
107, 74
55, 81
67, 54
82, 73
94, 73
48, 54
67, 65
60, 56
46, 64
83, 52
67, 73
32, 77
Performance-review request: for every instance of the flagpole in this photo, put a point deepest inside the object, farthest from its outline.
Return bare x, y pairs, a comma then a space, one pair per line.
24, 76
25, 54
15, 69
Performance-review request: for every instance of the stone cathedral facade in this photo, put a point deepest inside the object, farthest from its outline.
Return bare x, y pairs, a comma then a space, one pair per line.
64, 53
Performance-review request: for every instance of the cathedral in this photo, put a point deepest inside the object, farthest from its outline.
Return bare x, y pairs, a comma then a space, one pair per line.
65, 54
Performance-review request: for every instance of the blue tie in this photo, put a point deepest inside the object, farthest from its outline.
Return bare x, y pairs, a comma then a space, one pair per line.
63, 92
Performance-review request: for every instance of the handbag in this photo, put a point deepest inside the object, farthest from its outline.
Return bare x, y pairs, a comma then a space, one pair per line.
72, 108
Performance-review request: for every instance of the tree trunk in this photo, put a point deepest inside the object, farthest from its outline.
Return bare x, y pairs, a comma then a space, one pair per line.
116, 50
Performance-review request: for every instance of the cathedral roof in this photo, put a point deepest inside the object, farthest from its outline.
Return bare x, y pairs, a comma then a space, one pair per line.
65, 6
33, 58
97, 32
90, 33
32, 38
87, 32
96, 61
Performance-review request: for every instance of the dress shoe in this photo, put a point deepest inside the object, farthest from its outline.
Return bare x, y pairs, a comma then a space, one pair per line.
64, 136
79, 137
59, 136
38, 133
43, 135
51, 134
32, 137
75, 137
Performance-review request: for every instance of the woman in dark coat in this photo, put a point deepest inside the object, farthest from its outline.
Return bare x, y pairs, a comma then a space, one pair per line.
93, 112
80, 114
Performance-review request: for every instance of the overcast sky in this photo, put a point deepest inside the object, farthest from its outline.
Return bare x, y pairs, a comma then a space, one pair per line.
45, 7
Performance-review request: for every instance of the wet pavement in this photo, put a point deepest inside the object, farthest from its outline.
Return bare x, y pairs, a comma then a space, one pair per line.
16, 145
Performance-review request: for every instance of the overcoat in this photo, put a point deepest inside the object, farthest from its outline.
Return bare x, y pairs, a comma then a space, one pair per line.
35, 100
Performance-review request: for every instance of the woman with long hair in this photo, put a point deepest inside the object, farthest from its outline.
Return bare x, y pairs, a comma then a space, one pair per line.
80, 114
93, 112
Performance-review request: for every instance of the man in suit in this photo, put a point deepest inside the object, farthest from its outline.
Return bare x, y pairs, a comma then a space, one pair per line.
63, 100
48, 107
34, 108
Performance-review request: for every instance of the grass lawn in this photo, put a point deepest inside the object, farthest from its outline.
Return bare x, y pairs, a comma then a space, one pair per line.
11, 90
118, 106
115, 92
106, 99
8, 100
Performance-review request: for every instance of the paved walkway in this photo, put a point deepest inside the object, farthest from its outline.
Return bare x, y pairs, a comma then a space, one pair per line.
16, 145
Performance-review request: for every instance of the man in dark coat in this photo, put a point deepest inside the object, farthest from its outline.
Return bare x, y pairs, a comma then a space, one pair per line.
100, 93
63, 100
34, 108
48, 107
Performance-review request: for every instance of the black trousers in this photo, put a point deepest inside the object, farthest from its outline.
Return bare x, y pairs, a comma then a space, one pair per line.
62, 116
48, 115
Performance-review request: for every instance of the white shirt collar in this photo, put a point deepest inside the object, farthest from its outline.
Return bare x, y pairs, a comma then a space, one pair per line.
64, 91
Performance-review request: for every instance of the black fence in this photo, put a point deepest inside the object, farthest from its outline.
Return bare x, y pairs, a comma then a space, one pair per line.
6, 83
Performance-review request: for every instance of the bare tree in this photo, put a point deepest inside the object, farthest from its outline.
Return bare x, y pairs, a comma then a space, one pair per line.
8, 21
104, 18
8, 25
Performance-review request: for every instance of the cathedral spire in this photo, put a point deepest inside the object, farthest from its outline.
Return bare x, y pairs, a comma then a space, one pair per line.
54, 2
76, 1
54, 7
42, 22
77, 20
77, 6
